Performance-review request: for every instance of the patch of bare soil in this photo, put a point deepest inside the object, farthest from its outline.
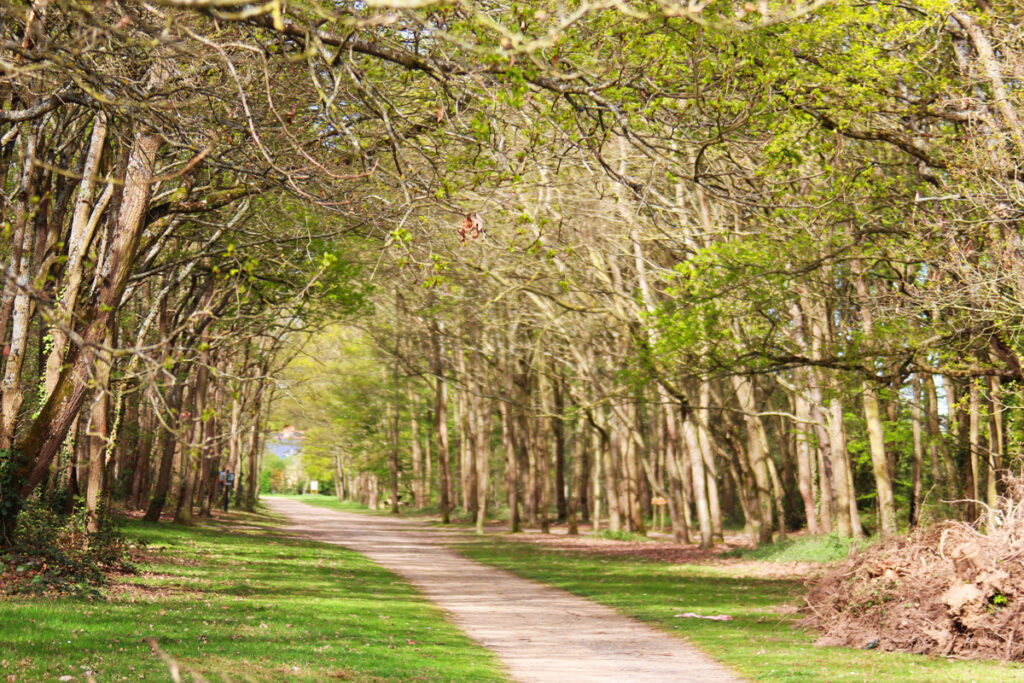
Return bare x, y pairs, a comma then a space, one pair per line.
950, 589
677, 553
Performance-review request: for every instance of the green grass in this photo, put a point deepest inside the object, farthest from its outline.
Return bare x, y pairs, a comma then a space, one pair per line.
801, 549
458, 516
760, 643
329, 502
623, 536
241, 605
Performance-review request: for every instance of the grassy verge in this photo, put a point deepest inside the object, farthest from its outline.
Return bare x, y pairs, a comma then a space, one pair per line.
429, 514
240, 603
328, 502
759, 642
802, 549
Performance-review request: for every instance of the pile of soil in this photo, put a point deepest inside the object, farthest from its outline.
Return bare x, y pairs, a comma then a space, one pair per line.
950, 589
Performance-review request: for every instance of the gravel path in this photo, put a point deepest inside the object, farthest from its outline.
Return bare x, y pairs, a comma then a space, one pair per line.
540, 633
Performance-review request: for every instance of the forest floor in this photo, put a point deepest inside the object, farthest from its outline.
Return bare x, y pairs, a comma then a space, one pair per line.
539, 632
670, 586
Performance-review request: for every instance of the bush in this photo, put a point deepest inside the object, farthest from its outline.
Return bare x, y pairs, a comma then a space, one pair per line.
622, 536
826, 548
54, 553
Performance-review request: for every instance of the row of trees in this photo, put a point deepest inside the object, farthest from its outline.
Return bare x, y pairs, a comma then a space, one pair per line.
775, 277
160, 248
752, 260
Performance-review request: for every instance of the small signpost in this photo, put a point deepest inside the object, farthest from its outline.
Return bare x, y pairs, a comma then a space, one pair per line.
314, 486
659, 514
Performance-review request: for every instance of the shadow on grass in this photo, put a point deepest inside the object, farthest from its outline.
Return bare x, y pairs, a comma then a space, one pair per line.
762, 640
247, 604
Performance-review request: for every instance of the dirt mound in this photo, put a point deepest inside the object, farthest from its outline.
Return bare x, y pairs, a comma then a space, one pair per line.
952, 589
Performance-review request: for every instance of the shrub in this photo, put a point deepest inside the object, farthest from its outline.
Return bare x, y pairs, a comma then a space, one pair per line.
54, 553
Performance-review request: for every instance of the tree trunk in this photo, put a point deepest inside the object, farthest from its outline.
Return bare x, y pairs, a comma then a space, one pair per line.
914, 513
441, 425
416, 449
482, 449
974, 449
252, 486
98, 434
50, 427
699, 478
508, 441
805, 483
757, 454
167, 444
704, 439
879, 463
558, 434
943, 467
194, 453
995, 445
393, 455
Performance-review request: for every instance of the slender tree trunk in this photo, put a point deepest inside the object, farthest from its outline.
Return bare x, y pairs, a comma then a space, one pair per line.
578, 482
879, 462
140, 470
943, 467
482, 449
805, 483
393, 456
167, 444
757, 453
511, 470
995, 445
441, 425
252, 486
611, 479
597, 474
428, 460
558, 433
98, 436
699, 477
415, 448
704, 439
975, 449
914, 514
779, 493
194, 453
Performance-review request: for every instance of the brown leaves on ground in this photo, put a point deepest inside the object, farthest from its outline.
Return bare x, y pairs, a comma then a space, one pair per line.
676, 553
949, 590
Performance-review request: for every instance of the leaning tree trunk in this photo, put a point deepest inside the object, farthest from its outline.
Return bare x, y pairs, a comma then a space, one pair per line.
48, 430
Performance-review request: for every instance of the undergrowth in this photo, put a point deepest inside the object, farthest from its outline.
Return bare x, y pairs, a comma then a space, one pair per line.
801, 549
622, 536
54, 553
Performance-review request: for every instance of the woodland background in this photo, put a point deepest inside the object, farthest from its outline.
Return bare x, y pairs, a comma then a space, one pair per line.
553, 260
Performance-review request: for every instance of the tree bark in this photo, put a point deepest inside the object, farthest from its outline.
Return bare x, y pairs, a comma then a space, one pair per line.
441, 424
415, 448
49, 428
